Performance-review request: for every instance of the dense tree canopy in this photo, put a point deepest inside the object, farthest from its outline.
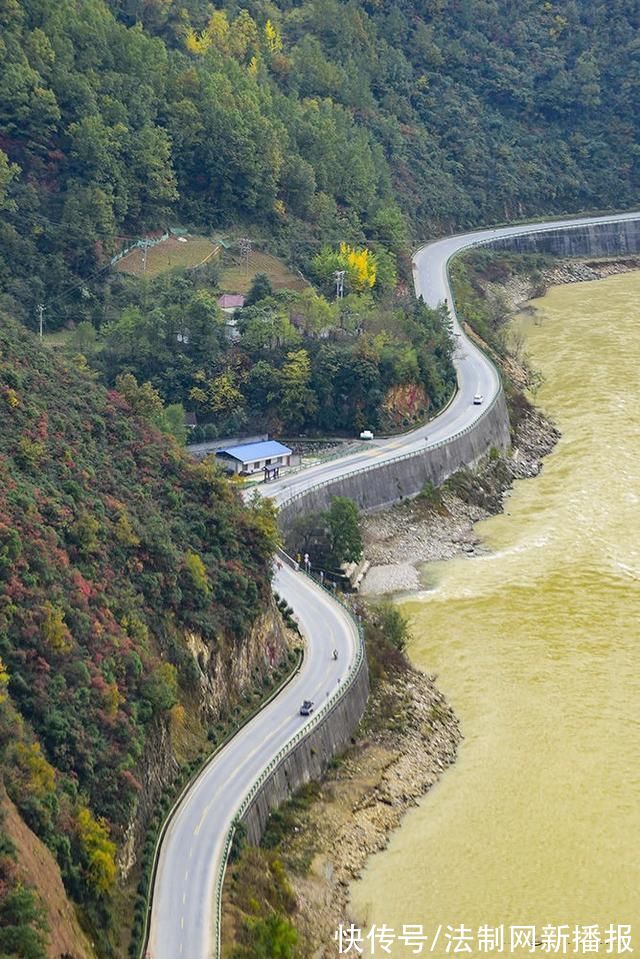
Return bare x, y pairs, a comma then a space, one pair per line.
320, 121
295, 360
114, 548
342, 130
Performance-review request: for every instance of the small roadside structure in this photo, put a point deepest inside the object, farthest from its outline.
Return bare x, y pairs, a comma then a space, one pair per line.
230, 302
268, 456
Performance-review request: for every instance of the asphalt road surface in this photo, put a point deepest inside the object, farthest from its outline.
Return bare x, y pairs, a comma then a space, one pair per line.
183, 920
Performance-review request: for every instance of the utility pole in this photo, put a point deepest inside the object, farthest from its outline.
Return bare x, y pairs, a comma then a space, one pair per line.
339, 275
245, 252
41, 309
145, 247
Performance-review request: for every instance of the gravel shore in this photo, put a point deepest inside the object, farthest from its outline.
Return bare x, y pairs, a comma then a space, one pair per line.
398, 540
410, 734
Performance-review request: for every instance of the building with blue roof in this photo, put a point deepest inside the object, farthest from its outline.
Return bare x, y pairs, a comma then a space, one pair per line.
268, 456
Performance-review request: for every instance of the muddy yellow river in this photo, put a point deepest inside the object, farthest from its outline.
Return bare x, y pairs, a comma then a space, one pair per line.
537, 645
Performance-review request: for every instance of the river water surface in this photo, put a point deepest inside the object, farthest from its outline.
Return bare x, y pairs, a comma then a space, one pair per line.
537, 645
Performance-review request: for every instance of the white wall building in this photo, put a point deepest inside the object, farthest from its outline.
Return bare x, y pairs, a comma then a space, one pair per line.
255, 457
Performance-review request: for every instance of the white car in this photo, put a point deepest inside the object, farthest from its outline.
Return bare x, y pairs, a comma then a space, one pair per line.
477, 399
366, 435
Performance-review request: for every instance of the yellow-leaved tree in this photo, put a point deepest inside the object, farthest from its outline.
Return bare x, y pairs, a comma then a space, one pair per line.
218, 30
36, 776
360, 265
272, 38
197, 43
4, 681
54, 629
99, 851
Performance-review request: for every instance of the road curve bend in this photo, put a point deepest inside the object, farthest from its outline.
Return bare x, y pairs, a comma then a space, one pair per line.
192, 857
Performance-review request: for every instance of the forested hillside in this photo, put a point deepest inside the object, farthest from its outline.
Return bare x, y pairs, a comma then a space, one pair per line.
337, 133
296, 361
115, 551
316, 122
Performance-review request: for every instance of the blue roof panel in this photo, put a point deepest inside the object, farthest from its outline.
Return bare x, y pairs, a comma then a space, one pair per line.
249, 452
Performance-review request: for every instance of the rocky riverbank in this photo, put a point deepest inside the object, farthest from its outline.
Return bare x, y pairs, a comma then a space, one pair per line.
518, 289
439, 524
412, 738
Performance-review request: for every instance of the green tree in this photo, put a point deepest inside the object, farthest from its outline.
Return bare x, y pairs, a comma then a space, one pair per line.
345, 539
298, 401
160, 688
84, 339
172, 421
394, 625
267, 326
8, 172
143, 398
272, 937
261, 288
23, 927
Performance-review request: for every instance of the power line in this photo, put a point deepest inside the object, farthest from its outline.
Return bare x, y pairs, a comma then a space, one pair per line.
80, 283
40, 217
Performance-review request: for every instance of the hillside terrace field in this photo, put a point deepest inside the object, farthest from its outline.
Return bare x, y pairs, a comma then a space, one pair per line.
186, 252
236, 275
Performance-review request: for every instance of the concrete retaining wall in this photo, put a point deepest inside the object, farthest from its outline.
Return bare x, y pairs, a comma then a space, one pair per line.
601, 239
381, 485
375, 487
310, 757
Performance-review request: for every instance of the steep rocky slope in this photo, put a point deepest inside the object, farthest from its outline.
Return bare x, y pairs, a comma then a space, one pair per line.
135, 611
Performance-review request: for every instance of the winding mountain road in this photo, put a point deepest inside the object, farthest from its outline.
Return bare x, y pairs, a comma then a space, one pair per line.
184, 920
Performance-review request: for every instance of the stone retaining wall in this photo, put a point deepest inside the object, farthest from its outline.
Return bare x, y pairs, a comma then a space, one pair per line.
600, 239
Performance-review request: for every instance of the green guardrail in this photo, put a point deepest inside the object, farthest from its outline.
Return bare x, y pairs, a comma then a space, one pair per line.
395, 459
360, 658
441, 443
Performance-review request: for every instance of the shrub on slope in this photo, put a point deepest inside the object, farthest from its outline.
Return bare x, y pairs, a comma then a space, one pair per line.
112, 546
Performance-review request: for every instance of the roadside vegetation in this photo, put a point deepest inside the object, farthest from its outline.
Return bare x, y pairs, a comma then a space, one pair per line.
334, 147
330, 538
478, 279
114, 547
332, 135
290, 362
